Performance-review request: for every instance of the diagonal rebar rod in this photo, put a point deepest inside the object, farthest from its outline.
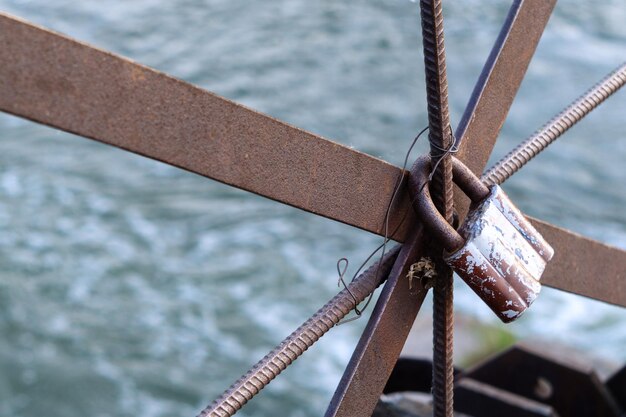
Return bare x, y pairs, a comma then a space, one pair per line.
551, 131
301, 339
440, 138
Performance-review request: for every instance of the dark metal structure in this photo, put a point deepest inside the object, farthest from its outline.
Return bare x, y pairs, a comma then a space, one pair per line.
522, 381
51, 79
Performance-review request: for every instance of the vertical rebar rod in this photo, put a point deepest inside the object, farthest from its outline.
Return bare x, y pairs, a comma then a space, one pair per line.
440, 137
560, 124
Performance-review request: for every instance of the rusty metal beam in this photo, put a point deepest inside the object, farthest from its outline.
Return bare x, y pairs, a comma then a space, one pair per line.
500, 80
71, 86
383, 338
50, 79
584, 266
498, 84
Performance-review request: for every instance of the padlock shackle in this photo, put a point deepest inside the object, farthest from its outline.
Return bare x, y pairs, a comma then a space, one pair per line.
423, 204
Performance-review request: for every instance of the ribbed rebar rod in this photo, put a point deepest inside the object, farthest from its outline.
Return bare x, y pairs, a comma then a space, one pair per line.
301, 339
439, 132
440, 137
562, 122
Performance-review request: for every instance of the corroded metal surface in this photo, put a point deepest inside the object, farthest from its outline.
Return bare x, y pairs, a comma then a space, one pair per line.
383, 338
427, 213
584, 266
56, 81
301, 339
50, 79
520, 34
496, 251
498, 84
494, 93
74, 87
439, 131
500, 79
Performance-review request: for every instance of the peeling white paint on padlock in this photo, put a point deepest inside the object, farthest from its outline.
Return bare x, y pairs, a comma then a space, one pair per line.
496, 251
522, 225
501, 247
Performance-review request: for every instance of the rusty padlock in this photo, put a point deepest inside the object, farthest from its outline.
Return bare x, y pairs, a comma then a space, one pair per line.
496, 251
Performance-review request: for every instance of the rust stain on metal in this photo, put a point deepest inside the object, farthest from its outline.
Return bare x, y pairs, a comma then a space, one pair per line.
584, 266
71, 86
557, 126
292, 347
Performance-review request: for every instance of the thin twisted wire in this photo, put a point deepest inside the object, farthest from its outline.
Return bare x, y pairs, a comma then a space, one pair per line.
300, 340
562, 122
441, 189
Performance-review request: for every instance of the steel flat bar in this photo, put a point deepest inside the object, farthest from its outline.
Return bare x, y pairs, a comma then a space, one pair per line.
583, 266
383, 338
71, 86
498, 84
51, 79
45, 76
378, 348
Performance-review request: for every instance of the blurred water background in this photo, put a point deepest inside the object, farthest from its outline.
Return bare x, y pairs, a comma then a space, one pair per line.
131, 288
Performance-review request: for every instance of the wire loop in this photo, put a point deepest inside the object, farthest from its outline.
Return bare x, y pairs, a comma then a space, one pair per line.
386, 238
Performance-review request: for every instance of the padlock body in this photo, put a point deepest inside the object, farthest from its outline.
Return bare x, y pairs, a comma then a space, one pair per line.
503, 257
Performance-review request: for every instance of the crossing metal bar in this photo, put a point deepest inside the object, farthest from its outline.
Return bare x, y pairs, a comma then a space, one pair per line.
498, 84
71, 86
383, 338
51, 79
381, 342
